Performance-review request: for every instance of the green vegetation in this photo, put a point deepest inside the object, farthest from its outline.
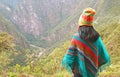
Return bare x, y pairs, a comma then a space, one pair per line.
26, 63
50, 66
15, 62
6, 49
7, 26
111, 37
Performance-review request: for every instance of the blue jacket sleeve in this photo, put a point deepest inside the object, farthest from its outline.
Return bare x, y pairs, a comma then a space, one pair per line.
103, 56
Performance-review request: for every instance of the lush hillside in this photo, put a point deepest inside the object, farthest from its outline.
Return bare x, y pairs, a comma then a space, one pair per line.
50, 66
110, 36
42, 21
7, 26
51, 24
46, 22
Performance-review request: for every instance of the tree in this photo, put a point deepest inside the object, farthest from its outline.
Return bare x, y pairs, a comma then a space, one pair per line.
6, 42
6, 47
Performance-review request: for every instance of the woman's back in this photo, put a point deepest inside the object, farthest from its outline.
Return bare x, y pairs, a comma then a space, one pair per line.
87, 53
85, 58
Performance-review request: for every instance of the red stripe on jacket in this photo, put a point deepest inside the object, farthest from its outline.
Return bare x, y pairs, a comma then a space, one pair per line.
86, 50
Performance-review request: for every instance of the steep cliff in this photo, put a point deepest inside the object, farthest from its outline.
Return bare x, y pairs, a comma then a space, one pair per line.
36, 17
42, 18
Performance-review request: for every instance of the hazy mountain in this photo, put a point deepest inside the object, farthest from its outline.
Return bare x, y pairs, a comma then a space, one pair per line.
45, 22
35, 17
7, 7
7, 26
41, 17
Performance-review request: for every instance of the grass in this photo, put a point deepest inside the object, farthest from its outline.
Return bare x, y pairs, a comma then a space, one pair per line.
111, 38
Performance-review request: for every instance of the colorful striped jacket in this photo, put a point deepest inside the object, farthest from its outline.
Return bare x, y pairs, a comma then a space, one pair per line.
85, 57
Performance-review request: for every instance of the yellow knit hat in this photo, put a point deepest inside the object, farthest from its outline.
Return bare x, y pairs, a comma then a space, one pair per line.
87, 17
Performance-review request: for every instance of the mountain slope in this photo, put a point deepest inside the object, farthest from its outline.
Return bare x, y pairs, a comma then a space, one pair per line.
7, 26
108, 25
59, 21
112, 42
42, 19
7, 7
69, 25
45, 22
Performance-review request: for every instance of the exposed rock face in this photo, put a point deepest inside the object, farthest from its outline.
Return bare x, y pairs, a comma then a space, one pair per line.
27, 19
51, 21
35, 17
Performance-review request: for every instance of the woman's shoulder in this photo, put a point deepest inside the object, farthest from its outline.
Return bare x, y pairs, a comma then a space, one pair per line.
99, 41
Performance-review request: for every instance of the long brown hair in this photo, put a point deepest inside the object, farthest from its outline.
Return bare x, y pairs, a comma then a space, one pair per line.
88, 33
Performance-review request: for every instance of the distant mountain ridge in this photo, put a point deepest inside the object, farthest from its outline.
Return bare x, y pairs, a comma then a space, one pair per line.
45, 22
38, 18
47, 26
